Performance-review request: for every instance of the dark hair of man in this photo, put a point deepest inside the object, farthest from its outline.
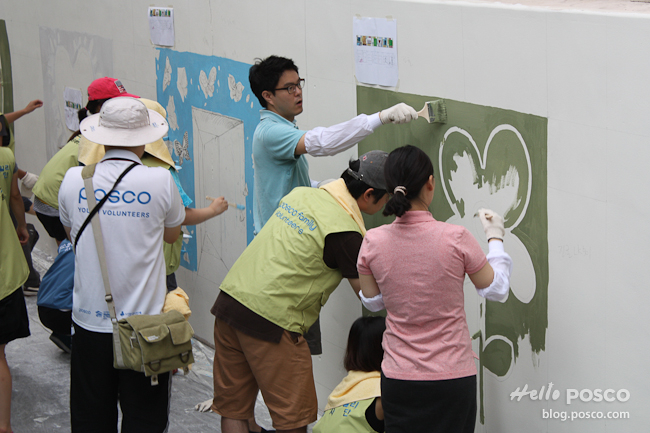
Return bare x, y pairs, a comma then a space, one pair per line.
410, 167
364, 351
358, 187
6, 132
265, 75
92, 107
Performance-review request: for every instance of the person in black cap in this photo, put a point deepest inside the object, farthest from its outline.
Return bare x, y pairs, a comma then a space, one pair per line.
275, 290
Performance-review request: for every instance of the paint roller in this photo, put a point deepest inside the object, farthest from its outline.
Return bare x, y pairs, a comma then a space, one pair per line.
434, 111
231, 204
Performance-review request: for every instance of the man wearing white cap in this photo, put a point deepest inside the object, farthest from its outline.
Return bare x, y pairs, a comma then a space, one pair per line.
144, 209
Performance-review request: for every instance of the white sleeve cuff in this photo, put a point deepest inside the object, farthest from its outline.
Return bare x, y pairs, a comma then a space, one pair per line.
374, 304
374, 121
502, 265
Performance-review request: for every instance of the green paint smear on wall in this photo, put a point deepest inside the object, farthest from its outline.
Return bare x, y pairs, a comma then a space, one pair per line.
514, 319
5, 64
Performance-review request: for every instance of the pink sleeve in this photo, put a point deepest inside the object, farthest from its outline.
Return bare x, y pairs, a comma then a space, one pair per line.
362, 261
472, 252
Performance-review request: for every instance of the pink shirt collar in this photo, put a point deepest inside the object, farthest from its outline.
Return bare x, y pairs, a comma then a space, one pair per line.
414, 216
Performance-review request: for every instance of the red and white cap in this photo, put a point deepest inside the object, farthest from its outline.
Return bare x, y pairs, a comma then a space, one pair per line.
106, 88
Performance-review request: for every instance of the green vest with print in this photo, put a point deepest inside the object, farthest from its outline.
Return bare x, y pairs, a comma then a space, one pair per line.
49, 181
281, 275
13, 266
349, 418
7, 165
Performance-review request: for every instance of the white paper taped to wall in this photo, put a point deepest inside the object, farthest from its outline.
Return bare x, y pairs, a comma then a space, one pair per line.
161, 26
375, 50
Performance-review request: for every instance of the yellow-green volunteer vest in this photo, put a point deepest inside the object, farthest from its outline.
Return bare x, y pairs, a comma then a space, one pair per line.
281, 275
49, 181
172, 252
13, 267
349, 418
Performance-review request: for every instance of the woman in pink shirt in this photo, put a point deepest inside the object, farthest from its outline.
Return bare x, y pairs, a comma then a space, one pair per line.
415, 268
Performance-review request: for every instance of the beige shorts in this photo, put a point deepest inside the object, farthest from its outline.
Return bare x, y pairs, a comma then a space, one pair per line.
282, 371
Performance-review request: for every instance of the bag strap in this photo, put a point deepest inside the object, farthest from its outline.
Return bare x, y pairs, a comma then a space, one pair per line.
101, 252
87, 173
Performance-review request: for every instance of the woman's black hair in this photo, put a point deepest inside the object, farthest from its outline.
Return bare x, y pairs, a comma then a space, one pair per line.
357, 187
92, 107
408, 167
364, 351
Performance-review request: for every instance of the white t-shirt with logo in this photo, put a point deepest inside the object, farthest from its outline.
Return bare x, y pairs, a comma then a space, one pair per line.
133, 221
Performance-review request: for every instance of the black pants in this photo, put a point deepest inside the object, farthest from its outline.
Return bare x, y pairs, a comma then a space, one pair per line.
436, 406
56, 320
96, 387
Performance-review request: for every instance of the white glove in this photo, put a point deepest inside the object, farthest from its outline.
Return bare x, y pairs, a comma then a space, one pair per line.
204, 406
400, 113
374, 304
29, 180
492, 224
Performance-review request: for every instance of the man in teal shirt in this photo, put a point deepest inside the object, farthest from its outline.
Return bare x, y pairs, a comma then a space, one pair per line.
279, 147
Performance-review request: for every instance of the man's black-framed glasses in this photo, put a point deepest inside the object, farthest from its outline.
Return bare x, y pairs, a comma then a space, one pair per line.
291, 88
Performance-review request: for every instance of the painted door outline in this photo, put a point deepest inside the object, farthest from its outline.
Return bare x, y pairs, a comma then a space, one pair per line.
219, 170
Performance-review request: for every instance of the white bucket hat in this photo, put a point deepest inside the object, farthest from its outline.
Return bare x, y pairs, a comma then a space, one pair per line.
124, 122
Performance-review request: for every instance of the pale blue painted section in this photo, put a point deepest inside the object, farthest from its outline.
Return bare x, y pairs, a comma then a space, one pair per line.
246, 109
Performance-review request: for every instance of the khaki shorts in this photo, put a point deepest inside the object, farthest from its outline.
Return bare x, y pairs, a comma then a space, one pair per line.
282, 371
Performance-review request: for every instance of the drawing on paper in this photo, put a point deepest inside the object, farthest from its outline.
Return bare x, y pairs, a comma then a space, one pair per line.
210, 139
494, 158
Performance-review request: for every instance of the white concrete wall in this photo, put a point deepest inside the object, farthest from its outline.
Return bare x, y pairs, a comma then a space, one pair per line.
584, 71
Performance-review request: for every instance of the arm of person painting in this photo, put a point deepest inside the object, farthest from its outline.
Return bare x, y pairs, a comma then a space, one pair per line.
197, 216
33, 105
370, 296
18, 209
500, 266
356, 286
322, 141
493, 281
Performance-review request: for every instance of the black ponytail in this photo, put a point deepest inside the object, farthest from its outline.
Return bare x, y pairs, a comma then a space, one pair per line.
92, 107
407, 167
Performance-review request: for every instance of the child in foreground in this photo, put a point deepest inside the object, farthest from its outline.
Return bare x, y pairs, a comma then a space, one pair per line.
355, 403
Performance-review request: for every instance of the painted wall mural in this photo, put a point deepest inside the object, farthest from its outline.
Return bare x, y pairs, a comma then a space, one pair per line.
494, 158
69, 59
212, 116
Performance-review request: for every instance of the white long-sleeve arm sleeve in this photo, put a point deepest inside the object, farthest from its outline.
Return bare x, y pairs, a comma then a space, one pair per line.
502, 265
374, 304
322, 141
